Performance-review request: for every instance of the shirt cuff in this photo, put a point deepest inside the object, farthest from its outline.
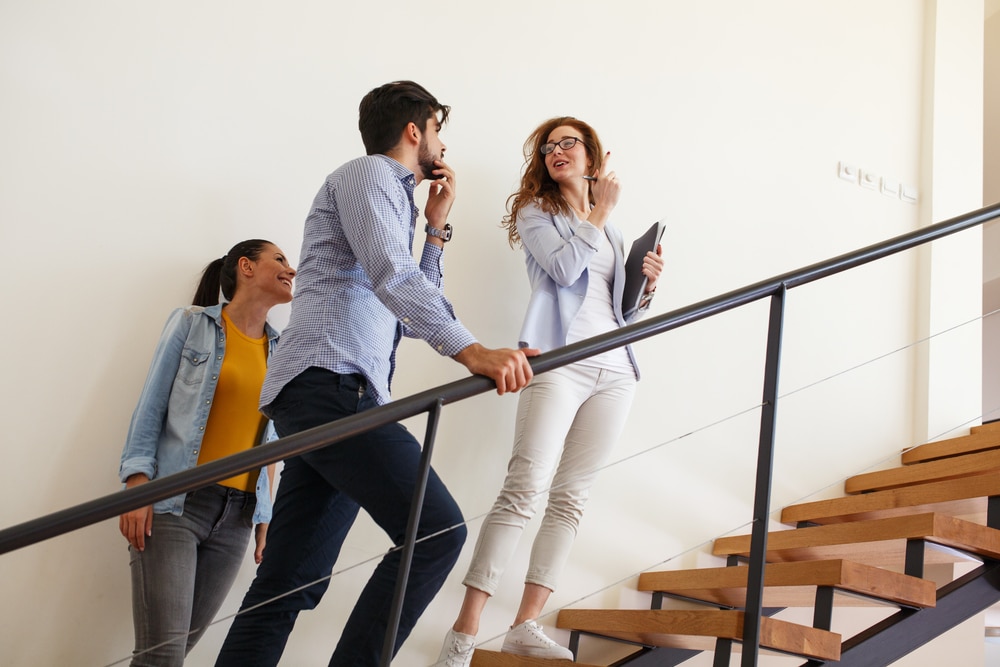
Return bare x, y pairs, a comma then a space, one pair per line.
451, 339
140, 464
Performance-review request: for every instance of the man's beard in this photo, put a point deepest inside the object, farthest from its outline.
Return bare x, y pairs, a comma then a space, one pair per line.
425, 159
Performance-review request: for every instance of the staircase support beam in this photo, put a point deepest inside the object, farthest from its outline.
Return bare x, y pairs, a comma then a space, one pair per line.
914, 564
907, 630
993, 511
823, 608
723, 650
657, 657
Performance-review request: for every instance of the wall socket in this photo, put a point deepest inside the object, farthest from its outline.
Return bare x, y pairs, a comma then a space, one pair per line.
872, 181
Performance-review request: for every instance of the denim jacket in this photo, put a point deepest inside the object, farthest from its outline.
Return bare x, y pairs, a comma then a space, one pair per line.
169, 421
557, 258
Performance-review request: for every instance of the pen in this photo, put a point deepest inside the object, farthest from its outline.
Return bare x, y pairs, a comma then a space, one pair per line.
590, 178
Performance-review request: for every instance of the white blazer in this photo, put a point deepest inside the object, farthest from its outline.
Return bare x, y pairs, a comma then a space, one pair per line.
557, 258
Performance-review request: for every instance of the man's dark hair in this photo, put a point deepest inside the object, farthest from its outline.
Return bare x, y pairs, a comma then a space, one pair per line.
385, 111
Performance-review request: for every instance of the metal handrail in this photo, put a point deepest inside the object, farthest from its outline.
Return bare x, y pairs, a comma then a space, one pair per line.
98, 509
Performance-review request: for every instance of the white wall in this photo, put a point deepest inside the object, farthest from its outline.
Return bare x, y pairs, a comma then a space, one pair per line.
139, 141
991, 232
991, 244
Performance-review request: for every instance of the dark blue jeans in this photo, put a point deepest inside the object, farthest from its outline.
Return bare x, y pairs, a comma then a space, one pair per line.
317, 502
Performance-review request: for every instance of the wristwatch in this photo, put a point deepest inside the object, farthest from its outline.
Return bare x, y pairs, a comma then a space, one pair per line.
647, 297
443, 234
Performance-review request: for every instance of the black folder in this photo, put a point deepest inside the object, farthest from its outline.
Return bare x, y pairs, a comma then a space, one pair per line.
635, 281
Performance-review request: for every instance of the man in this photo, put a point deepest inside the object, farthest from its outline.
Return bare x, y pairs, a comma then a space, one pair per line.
358, 290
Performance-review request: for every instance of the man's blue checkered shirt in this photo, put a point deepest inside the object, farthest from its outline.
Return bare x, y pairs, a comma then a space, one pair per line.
358, 288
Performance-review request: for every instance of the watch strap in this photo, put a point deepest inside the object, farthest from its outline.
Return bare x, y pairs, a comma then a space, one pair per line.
443, 234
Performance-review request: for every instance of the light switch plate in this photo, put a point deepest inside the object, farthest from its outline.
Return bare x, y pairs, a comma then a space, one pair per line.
889, 188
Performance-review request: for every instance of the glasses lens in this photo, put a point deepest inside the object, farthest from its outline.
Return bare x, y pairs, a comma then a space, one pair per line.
564, 144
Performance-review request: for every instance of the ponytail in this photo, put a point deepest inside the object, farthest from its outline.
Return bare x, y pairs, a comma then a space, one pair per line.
207, 293
220, 274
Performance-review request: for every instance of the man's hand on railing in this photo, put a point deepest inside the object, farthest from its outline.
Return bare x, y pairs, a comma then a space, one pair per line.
508, 368
137, 525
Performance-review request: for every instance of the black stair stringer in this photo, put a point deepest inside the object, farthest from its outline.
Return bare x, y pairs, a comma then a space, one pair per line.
657, 657
907, 630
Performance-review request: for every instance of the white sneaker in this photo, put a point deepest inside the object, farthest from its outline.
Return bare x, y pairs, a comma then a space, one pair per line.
528, 639
457, 650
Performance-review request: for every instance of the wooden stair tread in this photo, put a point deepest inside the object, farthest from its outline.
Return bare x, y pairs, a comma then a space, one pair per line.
979, 441
684, 629
483, 658
919, 473
989, 426
792, 584
880, 542
963, 497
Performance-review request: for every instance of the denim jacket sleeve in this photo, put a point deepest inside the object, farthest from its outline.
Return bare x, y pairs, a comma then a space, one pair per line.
139, 454
262, 513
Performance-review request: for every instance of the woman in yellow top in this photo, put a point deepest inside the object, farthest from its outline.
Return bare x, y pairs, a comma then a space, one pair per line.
199, 403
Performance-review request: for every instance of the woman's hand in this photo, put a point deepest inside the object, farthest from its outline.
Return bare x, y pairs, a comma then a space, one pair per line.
260, 537
652, 267
137, 525
606, 188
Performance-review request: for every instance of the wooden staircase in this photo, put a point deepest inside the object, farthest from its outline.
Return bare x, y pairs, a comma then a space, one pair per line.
868, 547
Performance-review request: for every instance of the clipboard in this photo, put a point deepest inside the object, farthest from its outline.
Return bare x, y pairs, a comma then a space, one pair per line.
635, 281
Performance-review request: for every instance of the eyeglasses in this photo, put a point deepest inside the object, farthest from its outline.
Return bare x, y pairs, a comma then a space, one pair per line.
564, 144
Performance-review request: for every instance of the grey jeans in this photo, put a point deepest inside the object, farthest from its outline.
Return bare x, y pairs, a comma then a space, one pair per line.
181, 579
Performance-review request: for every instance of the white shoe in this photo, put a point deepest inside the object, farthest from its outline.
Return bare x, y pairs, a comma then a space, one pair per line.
528, 639
457, 650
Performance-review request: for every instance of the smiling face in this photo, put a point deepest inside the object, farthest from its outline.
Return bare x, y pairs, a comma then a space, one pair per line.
564, 164
273, 275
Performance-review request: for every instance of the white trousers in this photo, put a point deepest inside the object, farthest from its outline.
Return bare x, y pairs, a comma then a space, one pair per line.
568, 421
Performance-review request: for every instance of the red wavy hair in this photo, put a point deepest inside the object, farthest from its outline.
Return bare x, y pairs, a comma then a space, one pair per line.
536, 184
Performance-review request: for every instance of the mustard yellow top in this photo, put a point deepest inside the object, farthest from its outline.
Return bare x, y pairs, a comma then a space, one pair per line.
234, 422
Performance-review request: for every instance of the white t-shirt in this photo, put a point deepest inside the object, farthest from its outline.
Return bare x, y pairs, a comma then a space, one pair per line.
597, 315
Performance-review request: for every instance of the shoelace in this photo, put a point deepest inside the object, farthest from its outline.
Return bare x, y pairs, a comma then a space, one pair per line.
456, 647
539, 635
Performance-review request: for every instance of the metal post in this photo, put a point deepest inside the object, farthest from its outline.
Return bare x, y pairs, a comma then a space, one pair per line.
723, 652
762, 495
993, 511
409, 542
913, 564
823, 608
574, 643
